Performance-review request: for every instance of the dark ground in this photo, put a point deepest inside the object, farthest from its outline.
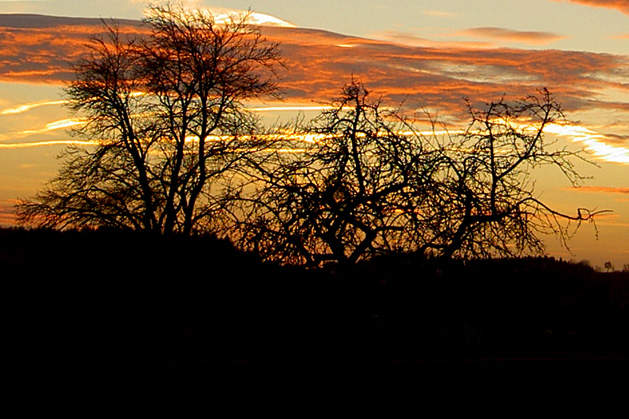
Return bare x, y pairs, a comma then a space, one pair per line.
110, 299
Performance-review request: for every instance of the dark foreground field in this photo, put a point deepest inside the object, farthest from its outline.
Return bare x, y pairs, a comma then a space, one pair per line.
111, 299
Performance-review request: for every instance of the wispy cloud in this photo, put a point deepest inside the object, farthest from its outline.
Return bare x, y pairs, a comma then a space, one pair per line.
29, 106
49, 127
617, 194
503, 34
620, 5
596, 143
290, 108
602, 189
53, 126
412, 39
35, 144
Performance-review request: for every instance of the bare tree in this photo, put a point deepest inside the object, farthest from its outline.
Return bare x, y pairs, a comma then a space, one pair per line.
167, 111
486, 203
361, 181
341, 189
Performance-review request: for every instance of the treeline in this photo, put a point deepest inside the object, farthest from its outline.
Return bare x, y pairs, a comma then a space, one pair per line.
133, 297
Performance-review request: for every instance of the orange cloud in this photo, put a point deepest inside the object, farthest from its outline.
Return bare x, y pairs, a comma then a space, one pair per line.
407, 38
318, 62
436, 77
527, 37
40, 49
602, 189
620, 5
439, 77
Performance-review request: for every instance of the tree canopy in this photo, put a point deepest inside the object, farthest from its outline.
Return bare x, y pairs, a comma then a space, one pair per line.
167, 112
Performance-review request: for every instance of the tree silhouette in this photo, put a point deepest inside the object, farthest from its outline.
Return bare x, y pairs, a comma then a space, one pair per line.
166, 111
485, 204
343, 192
360, 180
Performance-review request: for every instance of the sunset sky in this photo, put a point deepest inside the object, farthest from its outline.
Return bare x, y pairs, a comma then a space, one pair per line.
427, 54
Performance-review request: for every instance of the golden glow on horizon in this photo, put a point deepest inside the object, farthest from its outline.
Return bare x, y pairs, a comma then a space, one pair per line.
592, 141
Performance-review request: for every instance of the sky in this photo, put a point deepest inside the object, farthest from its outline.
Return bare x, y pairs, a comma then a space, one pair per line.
428, 55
